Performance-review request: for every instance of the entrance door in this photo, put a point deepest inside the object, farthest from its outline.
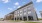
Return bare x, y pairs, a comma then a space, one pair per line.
30, 17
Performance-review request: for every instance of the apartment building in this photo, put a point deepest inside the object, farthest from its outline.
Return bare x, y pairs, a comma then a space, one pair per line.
25, 13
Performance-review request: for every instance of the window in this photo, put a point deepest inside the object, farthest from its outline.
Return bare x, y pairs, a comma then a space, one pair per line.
25, 13
20, 11
15, 12
20, 14
29, 8
15, 15
25, 10
29, 12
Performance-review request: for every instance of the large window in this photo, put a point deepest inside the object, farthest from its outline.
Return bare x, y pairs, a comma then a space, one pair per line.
25, 9
29, 8
18, 11
20, 14
29, 12
25, 13
15, 12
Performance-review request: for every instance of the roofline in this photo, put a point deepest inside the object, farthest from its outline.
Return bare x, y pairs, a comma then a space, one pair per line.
24, 5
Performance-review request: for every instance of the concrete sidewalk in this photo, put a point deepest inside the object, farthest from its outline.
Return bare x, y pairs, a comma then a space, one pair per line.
6, 21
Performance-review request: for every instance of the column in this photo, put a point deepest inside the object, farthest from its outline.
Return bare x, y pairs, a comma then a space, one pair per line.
19, 17
14, 17
22, 18
22, 15
27, 14
27, 17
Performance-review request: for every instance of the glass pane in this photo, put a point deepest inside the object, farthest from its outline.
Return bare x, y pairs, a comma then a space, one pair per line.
29, 12
25, 13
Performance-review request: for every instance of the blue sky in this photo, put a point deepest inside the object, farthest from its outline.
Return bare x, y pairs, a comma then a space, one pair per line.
7, 6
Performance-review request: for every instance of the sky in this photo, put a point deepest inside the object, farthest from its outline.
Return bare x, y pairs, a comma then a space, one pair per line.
7, 6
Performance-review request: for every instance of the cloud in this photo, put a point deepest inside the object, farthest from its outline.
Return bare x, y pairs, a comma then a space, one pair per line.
19, 6
17, 3
5, 1
10, 9
38, 0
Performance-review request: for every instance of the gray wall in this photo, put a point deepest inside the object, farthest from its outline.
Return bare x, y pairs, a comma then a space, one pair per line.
26, 11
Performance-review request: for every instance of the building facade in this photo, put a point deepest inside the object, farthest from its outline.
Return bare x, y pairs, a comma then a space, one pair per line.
26, 12
9, 16
41, 13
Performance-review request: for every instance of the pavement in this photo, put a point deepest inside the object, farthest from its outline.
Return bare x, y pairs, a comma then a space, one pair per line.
18, 22
9, 22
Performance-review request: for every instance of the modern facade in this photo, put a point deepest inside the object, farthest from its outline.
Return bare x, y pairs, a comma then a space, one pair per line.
26, 12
